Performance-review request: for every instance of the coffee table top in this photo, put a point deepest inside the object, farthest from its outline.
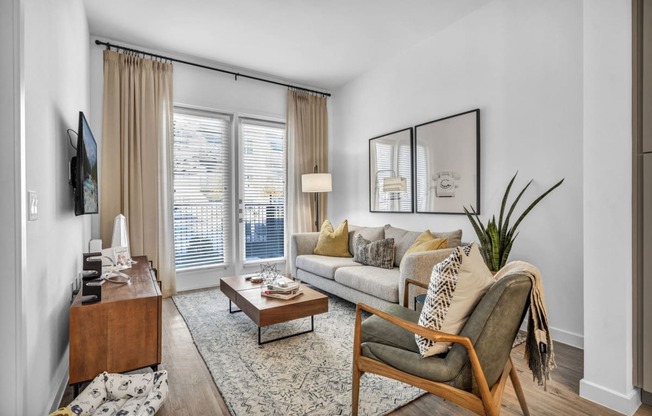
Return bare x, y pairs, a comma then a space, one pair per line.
264, 310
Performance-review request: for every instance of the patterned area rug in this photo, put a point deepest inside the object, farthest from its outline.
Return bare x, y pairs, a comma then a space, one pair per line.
308, 374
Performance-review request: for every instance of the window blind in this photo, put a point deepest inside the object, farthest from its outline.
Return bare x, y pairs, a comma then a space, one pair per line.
263, 189
405, 171
202, 189
384, 169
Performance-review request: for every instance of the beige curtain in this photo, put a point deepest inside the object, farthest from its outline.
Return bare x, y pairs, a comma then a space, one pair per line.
307, 130
136, 150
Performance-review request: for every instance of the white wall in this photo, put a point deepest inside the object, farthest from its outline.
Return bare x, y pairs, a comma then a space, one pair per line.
56, 89
208, 90
607, 152
11, 206
520, 62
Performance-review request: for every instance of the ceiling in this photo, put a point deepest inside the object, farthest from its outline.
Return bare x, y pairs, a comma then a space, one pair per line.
317, 43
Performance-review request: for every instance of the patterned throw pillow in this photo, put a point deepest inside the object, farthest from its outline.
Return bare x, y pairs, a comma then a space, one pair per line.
378, 253
332, 242
456, 286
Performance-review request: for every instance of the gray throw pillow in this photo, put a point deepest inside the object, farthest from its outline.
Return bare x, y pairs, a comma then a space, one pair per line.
369, 233
378, 253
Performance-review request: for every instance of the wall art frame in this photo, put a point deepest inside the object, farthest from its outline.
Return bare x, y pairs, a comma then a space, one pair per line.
447, 164
391, 172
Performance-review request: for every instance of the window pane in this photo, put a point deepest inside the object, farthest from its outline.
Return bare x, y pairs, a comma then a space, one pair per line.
202, 195
263, 174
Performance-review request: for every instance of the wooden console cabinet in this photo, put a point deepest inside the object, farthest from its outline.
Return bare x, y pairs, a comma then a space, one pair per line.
122, 332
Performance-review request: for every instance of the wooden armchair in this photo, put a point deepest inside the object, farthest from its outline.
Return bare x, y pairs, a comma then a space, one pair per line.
474, 371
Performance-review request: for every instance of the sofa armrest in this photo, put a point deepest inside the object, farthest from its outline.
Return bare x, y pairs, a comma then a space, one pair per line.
418, 266
301, 243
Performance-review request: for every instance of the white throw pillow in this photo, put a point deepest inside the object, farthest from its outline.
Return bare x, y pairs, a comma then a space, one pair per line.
456, 286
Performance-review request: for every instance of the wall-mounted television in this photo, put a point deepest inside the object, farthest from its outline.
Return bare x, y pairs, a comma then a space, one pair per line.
83, 170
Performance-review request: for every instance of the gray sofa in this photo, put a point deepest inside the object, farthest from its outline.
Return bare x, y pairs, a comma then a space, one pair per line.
356, 282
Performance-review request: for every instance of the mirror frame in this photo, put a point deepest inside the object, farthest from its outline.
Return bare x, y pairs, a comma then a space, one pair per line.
396, 138
455, 144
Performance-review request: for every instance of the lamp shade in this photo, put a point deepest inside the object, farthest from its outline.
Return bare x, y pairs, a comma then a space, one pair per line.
397, 184
316, 182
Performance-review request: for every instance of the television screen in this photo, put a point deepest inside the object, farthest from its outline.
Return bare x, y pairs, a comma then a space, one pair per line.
86, 200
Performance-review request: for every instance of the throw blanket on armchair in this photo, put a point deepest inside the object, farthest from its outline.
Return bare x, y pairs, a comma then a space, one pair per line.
538, 345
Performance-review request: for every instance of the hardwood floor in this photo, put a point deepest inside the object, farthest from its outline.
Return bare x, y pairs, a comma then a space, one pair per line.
193, 392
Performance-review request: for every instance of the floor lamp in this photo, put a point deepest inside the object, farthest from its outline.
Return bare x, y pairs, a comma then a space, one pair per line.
316, 182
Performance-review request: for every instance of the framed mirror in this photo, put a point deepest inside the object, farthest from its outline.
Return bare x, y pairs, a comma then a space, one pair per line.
447, 164
390, 172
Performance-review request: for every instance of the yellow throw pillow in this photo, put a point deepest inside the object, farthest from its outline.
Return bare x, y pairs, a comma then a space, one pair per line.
426, 242
333, 243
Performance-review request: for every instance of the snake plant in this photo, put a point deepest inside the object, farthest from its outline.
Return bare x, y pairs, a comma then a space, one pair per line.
496, 240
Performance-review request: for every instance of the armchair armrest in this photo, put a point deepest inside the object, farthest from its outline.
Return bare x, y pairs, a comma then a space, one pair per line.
406, 286
418, 267
301, 243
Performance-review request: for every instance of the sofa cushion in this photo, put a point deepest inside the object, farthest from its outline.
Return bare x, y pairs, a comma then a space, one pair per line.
403, 239
457, 284
333, 242
324, 266
381, 283
377, 253
368, 233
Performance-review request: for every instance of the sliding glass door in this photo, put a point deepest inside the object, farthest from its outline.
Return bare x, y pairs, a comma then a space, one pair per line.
263, 186
213, 195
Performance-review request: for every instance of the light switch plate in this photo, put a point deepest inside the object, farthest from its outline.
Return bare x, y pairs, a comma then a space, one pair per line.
32, 206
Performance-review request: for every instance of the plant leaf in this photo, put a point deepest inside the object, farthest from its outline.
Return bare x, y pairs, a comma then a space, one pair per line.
478, 227
508, 249
504, 202
505, 229
492, 230
533, 204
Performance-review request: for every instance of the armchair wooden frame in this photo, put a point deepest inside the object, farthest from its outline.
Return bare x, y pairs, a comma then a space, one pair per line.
489, 401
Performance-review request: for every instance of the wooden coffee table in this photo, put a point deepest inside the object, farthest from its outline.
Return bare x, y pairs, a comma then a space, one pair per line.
265, 311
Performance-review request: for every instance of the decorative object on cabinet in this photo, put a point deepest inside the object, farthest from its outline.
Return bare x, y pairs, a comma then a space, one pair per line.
447, 164
390, 172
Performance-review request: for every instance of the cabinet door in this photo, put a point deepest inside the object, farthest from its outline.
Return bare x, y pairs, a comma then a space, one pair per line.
133, 334
647, 273
88, 342
646, 69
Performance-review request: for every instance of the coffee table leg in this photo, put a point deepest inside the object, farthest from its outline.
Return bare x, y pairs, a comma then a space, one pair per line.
232, 311
312, 328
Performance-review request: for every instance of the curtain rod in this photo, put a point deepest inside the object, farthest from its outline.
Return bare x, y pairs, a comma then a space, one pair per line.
235, 74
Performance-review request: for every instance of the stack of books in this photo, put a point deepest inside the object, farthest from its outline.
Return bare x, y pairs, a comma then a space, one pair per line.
282, 288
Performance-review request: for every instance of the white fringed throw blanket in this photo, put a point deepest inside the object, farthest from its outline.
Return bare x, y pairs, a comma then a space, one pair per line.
538, 345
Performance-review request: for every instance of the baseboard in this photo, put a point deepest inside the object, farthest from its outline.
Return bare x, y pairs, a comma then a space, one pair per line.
626, 404
57, 395
568, 338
